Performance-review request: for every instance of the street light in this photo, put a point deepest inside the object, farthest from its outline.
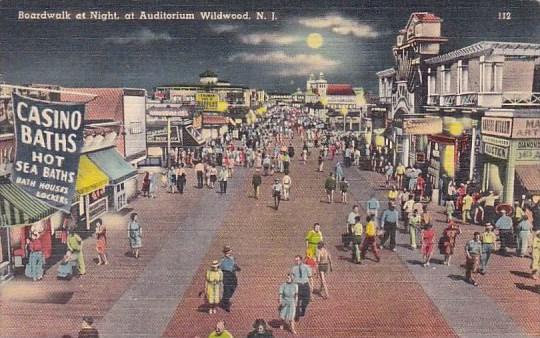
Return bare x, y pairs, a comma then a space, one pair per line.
344, 112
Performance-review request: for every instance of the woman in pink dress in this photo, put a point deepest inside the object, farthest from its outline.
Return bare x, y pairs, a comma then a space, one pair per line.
428, 240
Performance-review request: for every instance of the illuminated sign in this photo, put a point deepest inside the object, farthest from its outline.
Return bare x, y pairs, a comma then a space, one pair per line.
208, 101
425, 126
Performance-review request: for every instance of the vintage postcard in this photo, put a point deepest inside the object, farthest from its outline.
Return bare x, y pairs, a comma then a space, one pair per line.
270, 168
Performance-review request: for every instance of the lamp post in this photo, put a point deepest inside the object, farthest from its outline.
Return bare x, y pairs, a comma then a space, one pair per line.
344, 112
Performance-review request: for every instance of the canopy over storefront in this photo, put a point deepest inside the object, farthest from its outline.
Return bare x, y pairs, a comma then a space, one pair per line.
113, 165
90, 178
528, 176
19, 208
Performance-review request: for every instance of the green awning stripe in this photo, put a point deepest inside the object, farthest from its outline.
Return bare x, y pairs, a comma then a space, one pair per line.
19, 207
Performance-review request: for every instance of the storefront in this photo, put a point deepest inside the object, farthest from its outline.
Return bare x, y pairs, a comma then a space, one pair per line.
91, 183
21, 214
511, 147
411, 138
122, 177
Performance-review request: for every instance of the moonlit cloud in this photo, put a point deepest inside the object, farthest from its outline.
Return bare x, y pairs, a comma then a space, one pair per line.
224, 28
340, 25
288, 65
143, 36
268, 38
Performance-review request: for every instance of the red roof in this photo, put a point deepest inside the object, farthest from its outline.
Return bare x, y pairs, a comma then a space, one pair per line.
215, 119
339, 89
108, 105
427, 17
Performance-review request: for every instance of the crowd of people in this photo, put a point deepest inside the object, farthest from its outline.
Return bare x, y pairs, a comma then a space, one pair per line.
268, 150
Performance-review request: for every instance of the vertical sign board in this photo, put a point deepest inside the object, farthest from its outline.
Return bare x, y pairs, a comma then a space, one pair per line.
49, 139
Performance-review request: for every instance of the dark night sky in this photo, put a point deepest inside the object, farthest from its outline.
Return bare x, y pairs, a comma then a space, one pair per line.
358, 37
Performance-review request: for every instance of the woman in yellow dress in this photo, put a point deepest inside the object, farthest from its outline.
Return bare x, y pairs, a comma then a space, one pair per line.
313, 237
74, 244
212, 286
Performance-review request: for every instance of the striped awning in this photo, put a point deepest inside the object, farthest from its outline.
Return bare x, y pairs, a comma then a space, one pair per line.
19, 208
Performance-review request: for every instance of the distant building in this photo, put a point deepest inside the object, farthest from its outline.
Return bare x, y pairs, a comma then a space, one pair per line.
209, 82
124, 105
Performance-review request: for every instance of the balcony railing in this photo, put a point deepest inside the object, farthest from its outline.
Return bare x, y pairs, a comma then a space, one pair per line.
468, 99
521, 98
448, 100
433, 100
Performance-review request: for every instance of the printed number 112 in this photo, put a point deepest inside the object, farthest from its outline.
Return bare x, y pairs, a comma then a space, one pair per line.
505, 16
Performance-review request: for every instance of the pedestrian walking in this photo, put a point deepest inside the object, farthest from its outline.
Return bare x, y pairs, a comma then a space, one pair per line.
213, 284
220, 331
447, 242
256, 181
389, 220
450, 209
415, 225
34, 267
260, 330
181, 179
230, 281
146, 185
489, 242
171, 180
320, 163
351, 221
523, 230
324, 264
302, 276
87, 329
357, 232
276, 192
535, 264
286, 182
393, 194
213, 176
466, 208
313, 238
489, 206
199, 170
428, 242
134, 234
330, 187
400, 172
505, 226
223, 178
101, 242
372, 207
74, 244
389, 173
370, 239
407, 209
473, 250
287, 303
339, 172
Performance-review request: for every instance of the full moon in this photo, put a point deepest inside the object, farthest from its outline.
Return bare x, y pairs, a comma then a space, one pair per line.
314, 40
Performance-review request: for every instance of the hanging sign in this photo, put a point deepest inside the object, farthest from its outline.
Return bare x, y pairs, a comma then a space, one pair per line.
49, 139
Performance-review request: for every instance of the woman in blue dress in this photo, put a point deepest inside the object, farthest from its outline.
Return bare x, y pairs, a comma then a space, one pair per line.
34, 268
288, 297
134, 234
